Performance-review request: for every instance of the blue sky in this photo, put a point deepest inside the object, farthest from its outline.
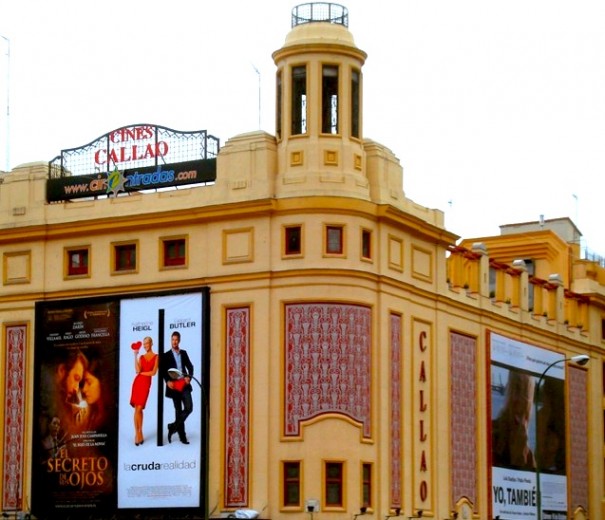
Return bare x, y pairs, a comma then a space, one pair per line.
496, 110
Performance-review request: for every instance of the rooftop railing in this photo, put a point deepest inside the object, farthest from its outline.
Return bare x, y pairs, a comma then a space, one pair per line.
320, 12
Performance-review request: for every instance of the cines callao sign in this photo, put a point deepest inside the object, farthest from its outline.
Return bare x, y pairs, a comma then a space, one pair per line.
133, 158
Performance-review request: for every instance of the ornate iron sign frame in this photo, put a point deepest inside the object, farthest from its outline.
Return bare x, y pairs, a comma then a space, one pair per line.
133, 158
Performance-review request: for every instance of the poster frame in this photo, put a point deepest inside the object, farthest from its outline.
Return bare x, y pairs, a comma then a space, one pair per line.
42, 509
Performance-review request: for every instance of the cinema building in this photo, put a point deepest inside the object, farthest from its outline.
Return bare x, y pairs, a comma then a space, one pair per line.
347, 355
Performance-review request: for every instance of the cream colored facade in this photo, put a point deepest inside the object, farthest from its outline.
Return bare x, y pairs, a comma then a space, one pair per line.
398, 263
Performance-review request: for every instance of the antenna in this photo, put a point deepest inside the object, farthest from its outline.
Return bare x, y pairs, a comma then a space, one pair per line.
8, 66
258, 73
575, 196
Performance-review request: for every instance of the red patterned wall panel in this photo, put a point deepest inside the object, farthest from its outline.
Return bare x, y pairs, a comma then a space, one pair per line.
395, 347
464, 417
578, 422
327, 363
237, 383
14, 406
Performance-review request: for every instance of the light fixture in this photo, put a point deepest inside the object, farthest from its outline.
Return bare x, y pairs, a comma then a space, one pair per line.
312, 506
397, 512
362, 511
579, 359
418, 514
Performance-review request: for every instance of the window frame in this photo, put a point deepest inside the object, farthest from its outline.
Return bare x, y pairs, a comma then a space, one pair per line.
278, 103
299, 111
115, 246
338, 481
327, 93
327, 248
367, 484
366, 232
286, 481
84, 271
355, 103
287, 253
179, 262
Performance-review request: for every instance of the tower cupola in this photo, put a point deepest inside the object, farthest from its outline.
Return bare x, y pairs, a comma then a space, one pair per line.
319, 104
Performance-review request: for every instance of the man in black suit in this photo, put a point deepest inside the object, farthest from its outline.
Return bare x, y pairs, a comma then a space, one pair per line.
178, 390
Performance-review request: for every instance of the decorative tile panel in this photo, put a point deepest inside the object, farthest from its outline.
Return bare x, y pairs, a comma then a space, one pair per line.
463, 367
578, 423
327, 363
14, 406
395, 381
237, 426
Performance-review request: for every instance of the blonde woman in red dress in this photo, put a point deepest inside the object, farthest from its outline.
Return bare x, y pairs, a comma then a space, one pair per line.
146, 366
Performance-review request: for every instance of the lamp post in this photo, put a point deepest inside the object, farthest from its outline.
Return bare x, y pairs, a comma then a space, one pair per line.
580, 359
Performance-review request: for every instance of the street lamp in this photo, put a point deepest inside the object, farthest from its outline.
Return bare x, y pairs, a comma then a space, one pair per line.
580, 359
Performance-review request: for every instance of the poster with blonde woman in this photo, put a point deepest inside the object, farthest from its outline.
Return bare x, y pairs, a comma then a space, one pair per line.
170, 468
145, 366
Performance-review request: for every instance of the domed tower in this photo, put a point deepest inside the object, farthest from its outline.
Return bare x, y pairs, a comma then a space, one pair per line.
319, 106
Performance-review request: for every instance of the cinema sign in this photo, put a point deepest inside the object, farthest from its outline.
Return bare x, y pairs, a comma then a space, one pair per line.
132, 144
133, 158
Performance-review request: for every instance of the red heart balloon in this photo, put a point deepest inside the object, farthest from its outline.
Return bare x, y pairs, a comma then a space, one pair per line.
136, 346
139, 344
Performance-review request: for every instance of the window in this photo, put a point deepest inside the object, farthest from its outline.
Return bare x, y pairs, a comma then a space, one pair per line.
77, 261
355, 101
299, 100
292, 240
125, 257
278, 105
366, 244
174, 252
291, 483
366, 484
329, 100
334, 485
334, 238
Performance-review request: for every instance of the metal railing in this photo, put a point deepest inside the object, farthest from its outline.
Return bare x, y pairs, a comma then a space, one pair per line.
320, 12
592, 256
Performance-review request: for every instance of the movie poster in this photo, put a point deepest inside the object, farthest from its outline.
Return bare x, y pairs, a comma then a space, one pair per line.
519, 438
118, 424
75, 437
160, 436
